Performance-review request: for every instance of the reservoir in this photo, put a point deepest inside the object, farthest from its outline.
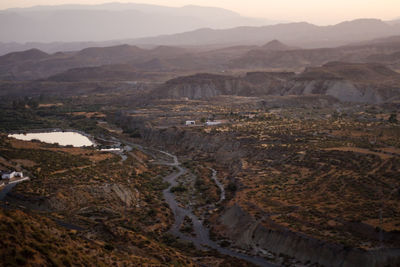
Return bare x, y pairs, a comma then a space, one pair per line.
62, 138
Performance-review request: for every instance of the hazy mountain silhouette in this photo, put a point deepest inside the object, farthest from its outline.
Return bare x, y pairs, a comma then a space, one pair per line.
395, 21
75, 27
34, 64
299, 34
276, 45
385, 50
70, 23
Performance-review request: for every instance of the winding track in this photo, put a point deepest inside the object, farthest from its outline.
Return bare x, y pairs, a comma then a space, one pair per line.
220, 186
6, 189
202, 238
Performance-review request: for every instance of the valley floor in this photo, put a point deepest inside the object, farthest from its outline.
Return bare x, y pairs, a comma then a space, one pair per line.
302, 178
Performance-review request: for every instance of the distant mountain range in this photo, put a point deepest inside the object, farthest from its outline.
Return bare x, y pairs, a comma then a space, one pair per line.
384, 50
298, 34
112, 21
301, 34
395, 21
275, 55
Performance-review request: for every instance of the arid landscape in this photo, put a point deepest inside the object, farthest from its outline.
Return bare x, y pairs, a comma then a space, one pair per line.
231, 141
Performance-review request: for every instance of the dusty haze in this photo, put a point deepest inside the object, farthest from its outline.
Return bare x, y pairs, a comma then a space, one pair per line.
313, 11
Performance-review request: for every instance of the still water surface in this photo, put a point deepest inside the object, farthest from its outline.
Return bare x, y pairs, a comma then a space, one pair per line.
62, 138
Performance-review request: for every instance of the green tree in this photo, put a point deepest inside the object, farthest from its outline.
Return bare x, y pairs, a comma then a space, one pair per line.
393, 118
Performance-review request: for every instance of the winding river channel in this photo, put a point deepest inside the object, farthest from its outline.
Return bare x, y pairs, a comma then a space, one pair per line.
202, 237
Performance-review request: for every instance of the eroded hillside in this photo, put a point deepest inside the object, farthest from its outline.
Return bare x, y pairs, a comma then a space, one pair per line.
348, 82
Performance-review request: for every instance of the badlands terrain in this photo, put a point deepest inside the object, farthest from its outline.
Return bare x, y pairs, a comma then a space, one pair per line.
251, 153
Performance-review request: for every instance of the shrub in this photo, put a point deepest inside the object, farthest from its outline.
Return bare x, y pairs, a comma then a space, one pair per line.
393, 118
109, 247
178, 188
232, 187
27, 253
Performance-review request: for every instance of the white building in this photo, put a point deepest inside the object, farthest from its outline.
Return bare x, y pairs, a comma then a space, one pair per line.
190, 123
209, 123
11, 174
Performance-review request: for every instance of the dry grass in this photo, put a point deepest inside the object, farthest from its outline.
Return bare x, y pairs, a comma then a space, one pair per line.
359, 150
25, 162
50, 105
89, 114
93, 155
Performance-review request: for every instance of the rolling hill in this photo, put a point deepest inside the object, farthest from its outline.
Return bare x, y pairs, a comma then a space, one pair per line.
378, 50
272, 56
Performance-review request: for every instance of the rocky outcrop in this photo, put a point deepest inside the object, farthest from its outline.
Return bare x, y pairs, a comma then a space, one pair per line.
249, 234
205, 86
202, 86
129, 197
226, 152
342, 90
83, 197
351, 82
347, 82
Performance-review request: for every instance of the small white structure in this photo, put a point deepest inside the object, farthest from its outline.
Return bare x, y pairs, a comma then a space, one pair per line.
188, 123
11, 174
209, 123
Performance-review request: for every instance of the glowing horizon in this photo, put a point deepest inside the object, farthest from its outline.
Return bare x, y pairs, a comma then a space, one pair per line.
313, 11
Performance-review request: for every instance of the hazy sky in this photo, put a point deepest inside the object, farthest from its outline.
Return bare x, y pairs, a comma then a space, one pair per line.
314, 11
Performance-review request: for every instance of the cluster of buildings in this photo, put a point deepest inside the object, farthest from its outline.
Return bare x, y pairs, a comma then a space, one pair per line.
7, 175
208, 123
211, 122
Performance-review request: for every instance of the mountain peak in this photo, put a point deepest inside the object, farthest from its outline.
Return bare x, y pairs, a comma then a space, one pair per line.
31, 54
362, 23
275, 45
217, 11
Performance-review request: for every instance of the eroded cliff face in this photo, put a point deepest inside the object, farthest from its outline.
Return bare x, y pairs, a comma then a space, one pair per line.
203, 86
363, 83
342, 90
250, 234
81, 199
226, 152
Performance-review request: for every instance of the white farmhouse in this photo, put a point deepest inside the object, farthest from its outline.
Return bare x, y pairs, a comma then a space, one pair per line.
11, 174
188, 123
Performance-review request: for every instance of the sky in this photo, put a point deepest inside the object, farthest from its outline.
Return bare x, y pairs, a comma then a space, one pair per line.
320, 12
